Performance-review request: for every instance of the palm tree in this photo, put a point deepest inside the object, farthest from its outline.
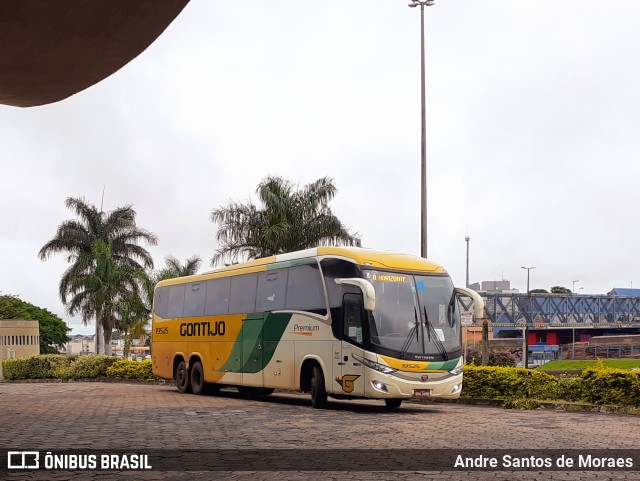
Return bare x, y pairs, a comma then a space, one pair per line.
175, 268
289, 219
105, 256
137, 311
102, 290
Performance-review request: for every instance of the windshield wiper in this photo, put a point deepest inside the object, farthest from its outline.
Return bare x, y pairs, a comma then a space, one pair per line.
434, 336
407, 341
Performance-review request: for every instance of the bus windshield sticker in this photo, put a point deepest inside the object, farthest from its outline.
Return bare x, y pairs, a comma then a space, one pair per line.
420, 285
442, 314
352, 331
440, 334
359, 335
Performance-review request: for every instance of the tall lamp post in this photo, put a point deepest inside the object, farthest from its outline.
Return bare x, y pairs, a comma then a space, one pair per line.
528, 271
423, 170
573, 289
525, 344
467, 239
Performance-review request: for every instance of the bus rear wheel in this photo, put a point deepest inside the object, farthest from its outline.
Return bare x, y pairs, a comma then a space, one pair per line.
318, 391
393, 403
182, 378
197, 378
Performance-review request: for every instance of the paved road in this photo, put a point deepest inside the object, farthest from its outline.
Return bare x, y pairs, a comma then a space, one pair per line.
137, 417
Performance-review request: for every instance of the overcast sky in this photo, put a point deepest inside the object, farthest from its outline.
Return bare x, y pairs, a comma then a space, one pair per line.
533, 121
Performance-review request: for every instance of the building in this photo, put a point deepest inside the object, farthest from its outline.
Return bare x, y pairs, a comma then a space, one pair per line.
493, 286
18, 338
80, 344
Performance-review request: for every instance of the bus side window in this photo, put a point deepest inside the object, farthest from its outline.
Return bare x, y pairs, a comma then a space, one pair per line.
272, 286
304, 289
176, 300
242, 299
352, 317
217, 298
194, 299
161, 301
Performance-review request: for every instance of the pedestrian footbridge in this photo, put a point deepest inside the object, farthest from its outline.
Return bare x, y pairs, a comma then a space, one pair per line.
559, 310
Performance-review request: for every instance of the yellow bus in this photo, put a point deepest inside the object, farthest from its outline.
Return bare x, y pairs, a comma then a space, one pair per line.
343, 322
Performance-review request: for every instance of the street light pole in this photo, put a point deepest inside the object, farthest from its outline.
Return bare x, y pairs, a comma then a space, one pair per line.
573, 289
528, 270
423, 164
525, 333
467, 239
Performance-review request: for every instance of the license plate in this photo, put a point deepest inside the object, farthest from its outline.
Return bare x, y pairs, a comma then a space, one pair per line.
422, 393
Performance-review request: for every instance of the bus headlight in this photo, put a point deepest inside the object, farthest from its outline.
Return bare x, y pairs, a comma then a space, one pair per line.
456, 371
374, 365
380, 386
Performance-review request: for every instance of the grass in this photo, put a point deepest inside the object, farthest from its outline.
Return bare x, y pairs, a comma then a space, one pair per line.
581, 365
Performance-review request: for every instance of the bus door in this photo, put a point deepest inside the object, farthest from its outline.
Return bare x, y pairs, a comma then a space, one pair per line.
351, 371
252, 350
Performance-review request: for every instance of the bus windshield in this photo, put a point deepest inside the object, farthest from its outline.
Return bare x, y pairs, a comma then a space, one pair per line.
416, 316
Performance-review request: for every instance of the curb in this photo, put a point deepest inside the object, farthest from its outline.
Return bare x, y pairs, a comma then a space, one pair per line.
543, 405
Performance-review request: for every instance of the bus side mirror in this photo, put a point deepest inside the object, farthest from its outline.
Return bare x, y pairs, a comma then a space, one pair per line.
368, 292
478, 303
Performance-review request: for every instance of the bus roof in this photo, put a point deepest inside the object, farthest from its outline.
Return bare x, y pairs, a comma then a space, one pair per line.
359, 255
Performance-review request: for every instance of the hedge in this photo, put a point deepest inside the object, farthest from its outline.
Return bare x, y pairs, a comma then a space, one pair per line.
611, 386
61, 366
520, 388
124, 369
515, 385
493, 382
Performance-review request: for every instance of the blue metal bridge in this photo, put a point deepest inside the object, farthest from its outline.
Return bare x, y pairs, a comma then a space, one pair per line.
559, 310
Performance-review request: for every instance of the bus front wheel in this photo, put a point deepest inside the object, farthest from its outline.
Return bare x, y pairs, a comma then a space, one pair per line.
318, 391
197, 378
182, 378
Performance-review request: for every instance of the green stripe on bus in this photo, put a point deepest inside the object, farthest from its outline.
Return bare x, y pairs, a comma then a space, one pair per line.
256, 342
444, 365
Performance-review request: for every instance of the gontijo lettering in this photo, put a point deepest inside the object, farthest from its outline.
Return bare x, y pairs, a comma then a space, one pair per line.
204, 328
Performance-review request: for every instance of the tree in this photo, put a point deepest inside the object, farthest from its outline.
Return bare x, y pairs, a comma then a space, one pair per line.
538, 291
560, 290
53, 330
175, 268
105, 256
288, 219
133, 315
132, 319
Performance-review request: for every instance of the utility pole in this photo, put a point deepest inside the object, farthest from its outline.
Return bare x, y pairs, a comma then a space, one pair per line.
525, 330
423, 150
467, 239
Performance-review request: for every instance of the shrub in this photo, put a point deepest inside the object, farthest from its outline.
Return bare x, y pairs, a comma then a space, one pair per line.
611, 386
124, 369
57, 366
36, 367
570, 389
506, 382
496, 358
86, 367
